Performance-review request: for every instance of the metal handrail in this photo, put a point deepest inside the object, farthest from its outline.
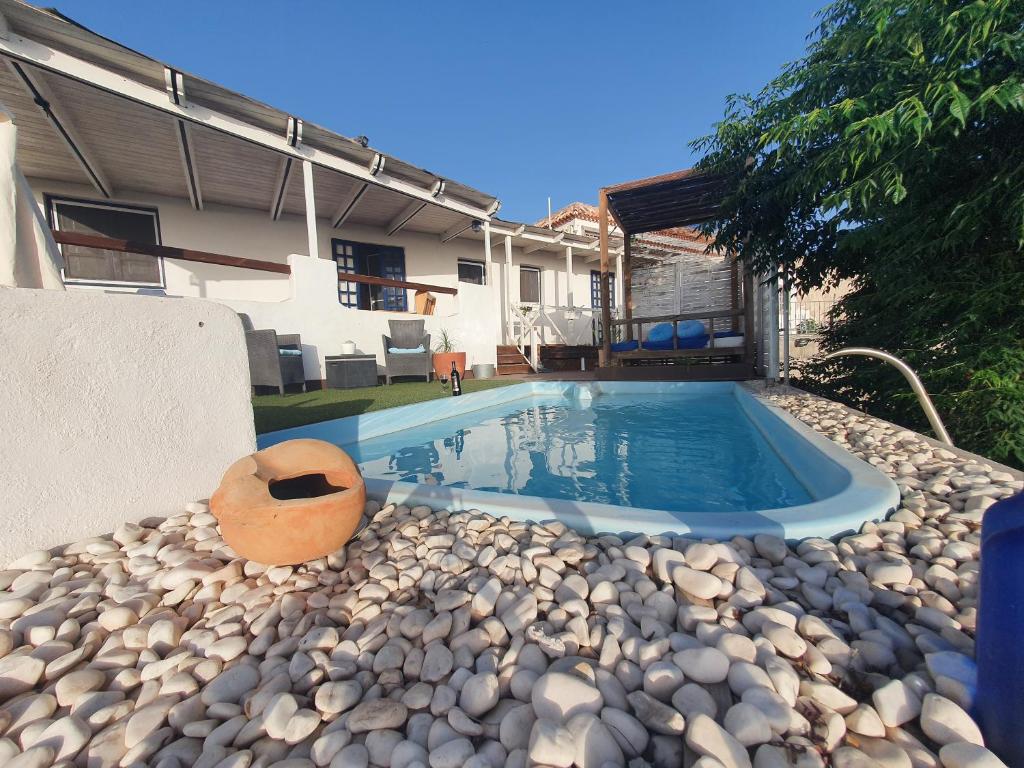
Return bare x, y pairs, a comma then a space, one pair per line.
915, 384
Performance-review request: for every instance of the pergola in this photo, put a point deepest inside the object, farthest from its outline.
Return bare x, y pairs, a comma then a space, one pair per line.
678, 199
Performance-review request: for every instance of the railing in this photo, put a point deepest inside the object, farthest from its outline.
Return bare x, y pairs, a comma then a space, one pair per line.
635, 325
84, 240
531, 325
809, 316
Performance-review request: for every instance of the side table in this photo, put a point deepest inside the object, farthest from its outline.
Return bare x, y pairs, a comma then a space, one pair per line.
349, 371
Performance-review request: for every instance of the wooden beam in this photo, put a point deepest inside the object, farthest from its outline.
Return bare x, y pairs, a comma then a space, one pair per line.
627, 284
452, 232
387, 282
403, 218
606, 315
183, 133
166, 252
40, 93
348, 205
280, 188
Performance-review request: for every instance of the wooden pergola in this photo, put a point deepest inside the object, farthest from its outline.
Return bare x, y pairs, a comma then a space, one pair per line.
678, 199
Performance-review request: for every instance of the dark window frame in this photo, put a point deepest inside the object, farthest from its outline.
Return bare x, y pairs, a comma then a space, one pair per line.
540, 284
51, 200
595, 289
475, 263
397, 297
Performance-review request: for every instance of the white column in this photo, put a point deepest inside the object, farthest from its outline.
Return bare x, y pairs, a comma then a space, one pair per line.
619, 277
307, 185
491, 280
508, 286
773, 329
568, 276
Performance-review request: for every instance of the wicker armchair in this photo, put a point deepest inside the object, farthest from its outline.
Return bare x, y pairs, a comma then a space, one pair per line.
407, 334
267, 366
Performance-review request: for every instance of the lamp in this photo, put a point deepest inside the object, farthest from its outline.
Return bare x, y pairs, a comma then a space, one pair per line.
477, 225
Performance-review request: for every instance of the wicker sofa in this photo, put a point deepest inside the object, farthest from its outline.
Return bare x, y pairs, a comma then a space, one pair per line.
407, 334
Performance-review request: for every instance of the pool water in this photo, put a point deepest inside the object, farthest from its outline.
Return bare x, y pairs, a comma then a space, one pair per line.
674, 452
705, 459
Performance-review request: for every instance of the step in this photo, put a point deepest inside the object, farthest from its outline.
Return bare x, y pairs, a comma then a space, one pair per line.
511, 359
504, 370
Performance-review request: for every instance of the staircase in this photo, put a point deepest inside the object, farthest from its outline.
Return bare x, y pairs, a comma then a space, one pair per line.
511, 361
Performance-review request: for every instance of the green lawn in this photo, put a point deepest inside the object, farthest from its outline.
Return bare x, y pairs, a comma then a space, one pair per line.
273, 412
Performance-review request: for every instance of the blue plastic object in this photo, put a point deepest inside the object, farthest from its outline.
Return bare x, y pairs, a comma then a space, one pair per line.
660, 332
999, 650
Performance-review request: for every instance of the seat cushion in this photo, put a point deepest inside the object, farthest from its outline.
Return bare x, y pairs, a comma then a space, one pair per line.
399, 351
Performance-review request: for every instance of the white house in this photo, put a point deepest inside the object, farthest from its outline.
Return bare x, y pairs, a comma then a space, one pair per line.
217, 196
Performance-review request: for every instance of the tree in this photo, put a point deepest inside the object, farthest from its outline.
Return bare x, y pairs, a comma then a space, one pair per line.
892, 154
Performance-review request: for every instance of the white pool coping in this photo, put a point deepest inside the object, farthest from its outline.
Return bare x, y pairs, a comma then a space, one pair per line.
846, 491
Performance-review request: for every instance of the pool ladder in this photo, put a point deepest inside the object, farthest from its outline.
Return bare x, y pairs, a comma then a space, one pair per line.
915, 384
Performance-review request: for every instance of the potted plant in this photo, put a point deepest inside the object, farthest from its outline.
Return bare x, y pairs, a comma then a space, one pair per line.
445, 355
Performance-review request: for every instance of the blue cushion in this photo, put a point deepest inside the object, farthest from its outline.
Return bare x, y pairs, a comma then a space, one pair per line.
660, 332
288, 352
414, 351
624, 346
689, 328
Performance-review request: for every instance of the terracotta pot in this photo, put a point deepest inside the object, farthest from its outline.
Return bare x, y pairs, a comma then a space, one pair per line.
443, 363
295, 501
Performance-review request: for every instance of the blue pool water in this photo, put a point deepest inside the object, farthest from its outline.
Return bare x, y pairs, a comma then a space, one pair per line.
674, 452
706, 459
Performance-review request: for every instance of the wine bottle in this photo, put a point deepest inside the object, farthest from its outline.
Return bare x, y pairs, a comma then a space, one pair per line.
456, 381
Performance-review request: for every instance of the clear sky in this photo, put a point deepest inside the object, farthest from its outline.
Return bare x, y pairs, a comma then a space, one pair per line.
519, 99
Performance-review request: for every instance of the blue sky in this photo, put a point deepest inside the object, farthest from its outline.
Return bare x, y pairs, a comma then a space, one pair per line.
521, 100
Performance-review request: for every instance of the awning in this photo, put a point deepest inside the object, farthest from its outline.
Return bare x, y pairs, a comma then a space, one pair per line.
678, 199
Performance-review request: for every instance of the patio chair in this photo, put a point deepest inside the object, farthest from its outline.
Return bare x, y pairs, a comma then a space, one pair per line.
273, 361
406, 335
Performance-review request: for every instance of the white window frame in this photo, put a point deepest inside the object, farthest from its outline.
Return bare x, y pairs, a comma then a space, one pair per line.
52, 201
540, 284
475, 263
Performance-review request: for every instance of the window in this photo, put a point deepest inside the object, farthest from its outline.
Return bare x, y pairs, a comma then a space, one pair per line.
472, 272
529, 285
99, 265
595, 289
386, 261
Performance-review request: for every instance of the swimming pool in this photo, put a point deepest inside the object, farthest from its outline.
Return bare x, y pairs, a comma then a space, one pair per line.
700, 458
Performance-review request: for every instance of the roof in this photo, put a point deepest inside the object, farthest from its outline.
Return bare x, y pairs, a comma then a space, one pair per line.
47, 42
670, 200
588, 212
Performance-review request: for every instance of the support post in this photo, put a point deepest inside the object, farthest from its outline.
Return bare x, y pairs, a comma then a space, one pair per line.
568, 276
307, 184
748, 313
785, 333
606, 315
773, 326
490, 279
508, 288
626, 268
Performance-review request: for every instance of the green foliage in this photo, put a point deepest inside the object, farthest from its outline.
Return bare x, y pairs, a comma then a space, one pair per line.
445, 343
892, 155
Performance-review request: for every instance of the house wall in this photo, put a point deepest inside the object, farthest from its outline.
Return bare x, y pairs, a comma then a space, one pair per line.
307, 303
90, 378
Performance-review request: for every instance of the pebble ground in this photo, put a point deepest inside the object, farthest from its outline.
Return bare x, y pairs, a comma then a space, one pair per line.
449, 638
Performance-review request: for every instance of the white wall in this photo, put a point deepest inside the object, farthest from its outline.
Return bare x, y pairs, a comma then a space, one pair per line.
313, 312
308, 304
115, 407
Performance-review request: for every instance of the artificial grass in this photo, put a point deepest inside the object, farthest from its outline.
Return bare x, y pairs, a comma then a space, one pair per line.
273, 412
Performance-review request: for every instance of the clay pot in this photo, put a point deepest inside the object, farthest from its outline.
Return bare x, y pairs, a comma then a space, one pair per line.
295, 501
442, 362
